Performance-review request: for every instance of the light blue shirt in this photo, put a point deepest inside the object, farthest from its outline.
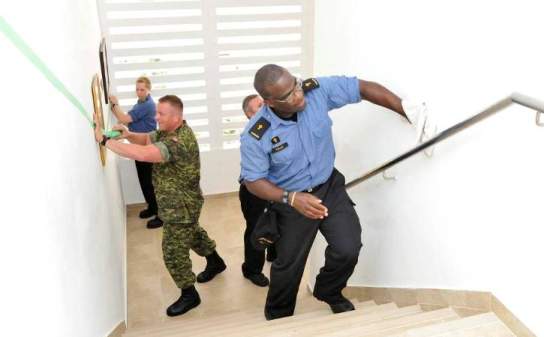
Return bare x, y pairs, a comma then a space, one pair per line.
296, 156
143, 116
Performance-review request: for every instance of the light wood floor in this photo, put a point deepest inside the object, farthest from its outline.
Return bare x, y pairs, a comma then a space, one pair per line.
151, 289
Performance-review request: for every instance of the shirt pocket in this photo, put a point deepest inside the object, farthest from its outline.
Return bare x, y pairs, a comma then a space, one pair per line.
283, 156
322, 128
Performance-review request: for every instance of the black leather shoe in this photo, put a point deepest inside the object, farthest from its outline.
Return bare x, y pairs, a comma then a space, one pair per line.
188, 300
337, 303
258, 279
154, 223
214, 266
147, 213
269, 316
343, 306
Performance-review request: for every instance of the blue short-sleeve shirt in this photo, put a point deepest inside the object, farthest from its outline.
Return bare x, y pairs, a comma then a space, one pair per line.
143, 116
300, 155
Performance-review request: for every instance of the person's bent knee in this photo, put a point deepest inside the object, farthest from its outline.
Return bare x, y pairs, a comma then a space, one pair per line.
347, 253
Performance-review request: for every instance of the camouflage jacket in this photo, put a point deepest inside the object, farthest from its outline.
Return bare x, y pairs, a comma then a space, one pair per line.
177, 179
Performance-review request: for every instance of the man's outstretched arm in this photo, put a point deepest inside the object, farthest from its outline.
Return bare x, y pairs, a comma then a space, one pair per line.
378, 94
147, 153
121, 116
133, 137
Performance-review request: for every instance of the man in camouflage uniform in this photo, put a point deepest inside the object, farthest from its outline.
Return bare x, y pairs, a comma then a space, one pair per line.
176, 178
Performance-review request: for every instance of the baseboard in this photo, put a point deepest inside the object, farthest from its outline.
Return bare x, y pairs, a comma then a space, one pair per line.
136, 206
221, 195
465, 303
118, 330
508, 318
141, 205
472, 300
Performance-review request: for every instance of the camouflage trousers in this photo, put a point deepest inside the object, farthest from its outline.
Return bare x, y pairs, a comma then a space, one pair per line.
177, 239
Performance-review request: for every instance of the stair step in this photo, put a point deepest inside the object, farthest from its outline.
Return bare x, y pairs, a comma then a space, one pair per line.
303, 321
286, 327
491, 330
364, 304
220, 322
482, 325
233, 327
187, 322
191, 323
387, 326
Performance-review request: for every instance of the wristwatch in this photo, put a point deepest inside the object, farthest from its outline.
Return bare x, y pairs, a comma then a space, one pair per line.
285, 197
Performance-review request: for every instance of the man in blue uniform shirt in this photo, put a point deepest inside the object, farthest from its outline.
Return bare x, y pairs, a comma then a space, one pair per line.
288, 158
141, 118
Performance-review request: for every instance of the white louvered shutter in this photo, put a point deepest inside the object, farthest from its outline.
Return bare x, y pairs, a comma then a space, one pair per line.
206, 52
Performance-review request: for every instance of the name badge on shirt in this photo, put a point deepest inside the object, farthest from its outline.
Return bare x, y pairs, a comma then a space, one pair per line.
279, 147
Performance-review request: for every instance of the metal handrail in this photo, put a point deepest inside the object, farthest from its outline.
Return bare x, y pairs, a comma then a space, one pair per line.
517, 98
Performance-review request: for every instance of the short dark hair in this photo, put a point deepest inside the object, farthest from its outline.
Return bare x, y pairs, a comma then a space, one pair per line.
145, 80
174, 101
246, 101
266, 76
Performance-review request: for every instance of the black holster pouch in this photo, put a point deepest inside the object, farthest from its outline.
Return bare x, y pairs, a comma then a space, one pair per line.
266, 231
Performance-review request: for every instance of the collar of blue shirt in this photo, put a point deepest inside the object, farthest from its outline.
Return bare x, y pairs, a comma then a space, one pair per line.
146, 99
275, 121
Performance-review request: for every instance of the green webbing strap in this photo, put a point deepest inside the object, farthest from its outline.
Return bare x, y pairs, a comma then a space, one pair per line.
38, 63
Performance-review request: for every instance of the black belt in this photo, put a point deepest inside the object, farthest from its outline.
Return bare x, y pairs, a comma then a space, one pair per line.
317, 187
313, 189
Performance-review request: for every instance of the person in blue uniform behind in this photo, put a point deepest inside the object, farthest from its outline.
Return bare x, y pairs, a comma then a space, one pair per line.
141, 118
288, 158
252, 208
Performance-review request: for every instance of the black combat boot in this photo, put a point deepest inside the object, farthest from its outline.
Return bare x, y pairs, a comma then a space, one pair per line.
156, 222
147, 213
214, 265
188, 300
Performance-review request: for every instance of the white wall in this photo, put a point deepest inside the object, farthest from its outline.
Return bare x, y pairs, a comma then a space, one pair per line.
132, 191
63, 217
220, 171
470, 217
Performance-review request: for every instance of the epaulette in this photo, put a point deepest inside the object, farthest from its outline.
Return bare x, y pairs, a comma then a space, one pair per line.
310, 84
258, 130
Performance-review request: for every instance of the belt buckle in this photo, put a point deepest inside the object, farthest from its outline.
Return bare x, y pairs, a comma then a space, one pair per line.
310, 190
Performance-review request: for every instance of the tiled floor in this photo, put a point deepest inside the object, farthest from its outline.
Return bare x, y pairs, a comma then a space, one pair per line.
151, 290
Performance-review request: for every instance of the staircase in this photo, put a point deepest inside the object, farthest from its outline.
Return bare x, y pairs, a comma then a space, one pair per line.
369, 320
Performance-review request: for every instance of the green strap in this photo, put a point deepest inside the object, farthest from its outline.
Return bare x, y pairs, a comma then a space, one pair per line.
38, 63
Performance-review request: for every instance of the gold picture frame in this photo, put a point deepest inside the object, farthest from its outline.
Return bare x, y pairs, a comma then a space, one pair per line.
96, 92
